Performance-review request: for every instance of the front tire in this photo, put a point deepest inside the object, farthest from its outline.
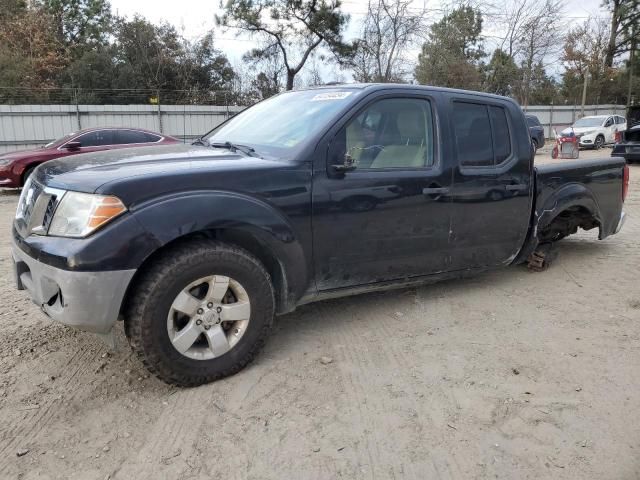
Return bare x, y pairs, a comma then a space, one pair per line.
26, 174
201, 312
599, 142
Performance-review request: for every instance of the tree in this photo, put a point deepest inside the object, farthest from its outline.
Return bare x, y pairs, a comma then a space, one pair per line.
80, 24
450, 56
30, 57
502, 74
539, 38
389, 29
584, 49
290, 29
542, 88
625, 17
205, 67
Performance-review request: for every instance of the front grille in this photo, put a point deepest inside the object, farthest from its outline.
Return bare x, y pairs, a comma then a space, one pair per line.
48, 213
36, 208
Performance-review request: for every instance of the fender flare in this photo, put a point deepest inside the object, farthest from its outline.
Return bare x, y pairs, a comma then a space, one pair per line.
173, 217
568, 196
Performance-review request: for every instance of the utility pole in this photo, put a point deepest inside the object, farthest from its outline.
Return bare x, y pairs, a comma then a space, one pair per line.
584, 91
632, 52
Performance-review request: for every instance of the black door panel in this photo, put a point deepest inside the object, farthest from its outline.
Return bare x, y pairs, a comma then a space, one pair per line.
490, 201
389, 218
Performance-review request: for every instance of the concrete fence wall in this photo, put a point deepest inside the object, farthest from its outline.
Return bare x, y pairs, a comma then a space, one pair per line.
29, 126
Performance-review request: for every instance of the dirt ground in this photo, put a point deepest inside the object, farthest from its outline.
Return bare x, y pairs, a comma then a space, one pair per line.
510, 375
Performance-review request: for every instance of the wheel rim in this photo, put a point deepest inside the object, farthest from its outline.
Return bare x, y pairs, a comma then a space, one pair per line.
599, 142
208, 317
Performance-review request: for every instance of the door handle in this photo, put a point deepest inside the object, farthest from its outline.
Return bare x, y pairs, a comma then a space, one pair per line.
516, 188
435, 190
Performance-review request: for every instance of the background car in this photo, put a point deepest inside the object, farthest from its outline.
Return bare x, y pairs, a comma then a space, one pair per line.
536, 131
628, 145
15, 167
597, 130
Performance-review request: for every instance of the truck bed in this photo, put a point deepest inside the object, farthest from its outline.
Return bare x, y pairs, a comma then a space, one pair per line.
586, 188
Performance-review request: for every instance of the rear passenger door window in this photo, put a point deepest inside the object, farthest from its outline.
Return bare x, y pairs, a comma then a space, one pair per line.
483, 137
124, 137
391, 133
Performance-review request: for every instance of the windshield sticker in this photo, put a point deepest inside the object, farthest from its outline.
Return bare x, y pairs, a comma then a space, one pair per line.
321, 97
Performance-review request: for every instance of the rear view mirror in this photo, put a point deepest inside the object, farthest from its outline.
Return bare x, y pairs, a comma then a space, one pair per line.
72, 145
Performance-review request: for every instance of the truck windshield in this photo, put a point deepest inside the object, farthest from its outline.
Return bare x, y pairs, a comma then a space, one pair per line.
277, 127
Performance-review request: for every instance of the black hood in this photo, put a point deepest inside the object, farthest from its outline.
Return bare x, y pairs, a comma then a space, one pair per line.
138, 174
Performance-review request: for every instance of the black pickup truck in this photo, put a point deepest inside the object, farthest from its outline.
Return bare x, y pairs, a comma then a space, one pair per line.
308, 195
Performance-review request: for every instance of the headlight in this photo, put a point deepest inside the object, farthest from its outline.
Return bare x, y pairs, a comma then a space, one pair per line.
80, 214
588, 132
4, 161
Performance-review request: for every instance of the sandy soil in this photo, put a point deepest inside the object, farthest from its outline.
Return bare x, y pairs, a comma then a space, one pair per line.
509, 375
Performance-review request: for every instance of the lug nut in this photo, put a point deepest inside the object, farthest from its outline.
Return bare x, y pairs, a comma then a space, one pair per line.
219, 309
198, 322
200, 311
207, 327
209, 305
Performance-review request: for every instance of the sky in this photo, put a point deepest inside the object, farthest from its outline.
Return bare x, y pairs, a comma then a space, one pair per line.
194, 18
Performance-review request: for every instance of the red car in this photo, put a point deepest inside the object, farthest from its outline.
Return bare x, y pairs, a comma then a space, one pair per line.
15, 167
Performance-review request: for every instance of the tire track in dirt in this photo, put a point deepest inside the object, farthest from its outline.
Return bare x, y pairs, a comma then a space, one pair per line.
178, 428
32, 425
385, 402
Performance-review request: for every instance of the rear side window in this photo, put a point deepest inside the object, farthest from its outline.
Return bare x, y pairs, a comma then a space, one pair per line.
483, 138
97, 138
151, 137
130, 136
501, 135
533, 122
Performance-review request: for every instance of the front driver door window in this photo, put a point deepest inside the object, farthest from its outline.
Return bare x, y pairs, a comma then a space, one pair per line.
389, 218
97, 138
391, 134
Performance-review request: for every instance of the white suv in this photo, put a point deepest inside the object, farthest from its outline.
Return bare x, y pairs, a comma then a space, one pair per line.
597, 130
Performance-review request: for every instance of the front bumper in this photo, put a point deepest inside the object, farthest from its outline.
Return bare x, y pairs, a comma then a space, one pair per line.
8, 183
88, 301
587, 140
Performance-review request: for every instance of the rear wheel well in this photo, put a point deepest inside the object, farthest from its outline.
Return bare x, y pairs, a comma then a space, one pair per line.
238, 238
567, 223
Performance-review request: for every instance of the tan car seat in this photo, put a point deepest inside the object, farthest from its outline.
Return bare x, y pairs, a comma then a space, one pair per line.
410, 152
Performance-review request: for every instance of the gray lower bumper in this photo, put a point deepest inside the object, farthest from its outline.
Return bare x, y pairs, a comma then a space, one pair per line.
86, 300
623, 217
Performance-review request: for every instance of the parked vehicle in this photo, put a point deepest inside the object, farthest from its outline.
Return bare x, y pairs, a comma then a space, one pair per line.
598, 130
628, 147
536, 130
196, 247
15, 167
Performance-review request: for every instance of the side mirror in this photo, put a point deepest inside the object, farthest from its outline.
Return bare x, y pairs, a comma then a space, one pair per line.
72, 145
348, 165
